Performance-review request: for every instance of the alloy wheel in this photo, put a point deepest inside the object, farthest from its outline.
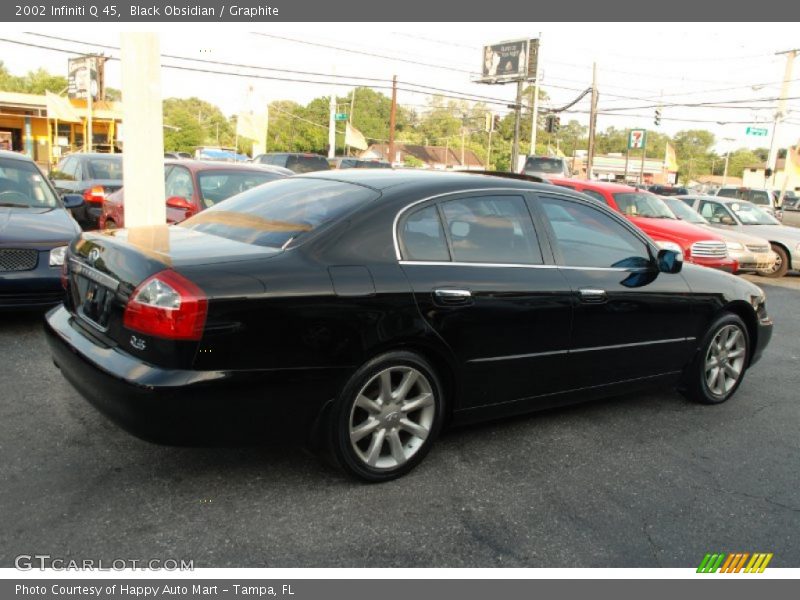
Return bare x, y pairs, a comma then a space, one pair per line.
391, 417
725, 358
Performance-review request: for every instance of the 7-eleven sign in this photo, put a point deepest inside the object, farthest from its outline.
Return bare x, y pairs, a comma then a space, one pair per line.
637, 139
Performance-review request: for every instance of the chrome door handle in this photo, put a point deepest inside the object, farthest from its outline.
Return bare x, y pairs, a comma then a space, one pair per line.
592, 295
450, 296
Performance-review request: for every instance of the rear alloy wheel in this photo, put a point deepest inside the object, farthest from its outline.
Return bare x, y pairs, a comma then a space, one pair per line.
781, 263
721, 362
387, 417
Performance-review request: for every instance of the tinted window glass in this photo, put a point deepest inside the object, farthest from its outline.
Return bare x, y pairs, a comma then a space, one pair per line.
105, 168
495, 229
588, 238
642, 204
216, 186
66, 170
760, 197
684, 212
277, 214
544, 165
306, 164
423, 238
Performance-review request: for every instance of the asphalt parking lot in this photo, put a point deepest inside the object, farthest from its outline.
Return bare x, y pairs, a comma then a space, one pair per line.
635, 481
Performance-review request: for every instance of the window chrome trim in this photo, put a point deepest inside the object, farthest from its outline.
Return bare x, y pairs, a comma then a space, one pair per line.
442, 263
579, 350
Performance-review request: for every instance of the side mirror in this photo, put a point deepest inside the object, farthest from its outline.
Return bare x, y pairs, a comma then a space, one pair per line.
179, 202
669, 261
72, 201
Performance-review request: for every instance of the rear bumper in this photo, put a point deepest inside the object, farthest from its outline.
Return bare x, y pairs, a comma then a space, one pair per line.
174, 406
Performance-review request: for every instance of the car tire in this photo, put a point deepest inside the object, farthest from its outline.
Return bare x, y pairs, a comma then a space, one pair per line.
781, 265
720, 364
386, 418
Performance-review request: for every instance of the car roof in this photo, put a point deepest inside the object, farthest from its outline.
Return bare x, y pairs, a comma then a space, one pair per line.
15, 155
208, 165
428, 181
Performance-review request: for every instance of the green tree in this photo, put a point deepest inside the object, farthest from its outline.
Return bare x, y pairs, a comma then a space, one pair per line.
34, 82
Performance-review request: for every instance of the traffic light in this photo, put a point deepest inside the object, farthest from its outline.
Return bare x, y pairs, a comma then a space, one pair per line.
552, 123
556, 124
496, 123
657, 118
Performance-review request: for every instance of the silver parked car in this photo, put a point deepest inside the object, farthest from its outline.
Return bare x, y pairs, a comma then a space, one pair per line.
732, 214
751, 252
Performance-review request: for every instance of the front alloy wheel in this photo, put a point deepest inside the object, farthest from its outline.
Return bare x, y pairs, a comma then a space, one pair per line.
387, 417
720, 363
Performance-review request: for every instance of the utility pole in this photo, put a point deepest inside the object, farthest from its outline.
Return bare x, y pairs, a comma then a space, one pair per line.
332, 126
781, 110
535, 103
517, 115
592, 123
350, 116
392, 118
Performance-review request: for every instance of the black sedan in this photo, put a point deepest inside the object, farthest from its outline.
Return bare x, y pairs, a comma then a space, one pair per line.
93, 175
373, 307
35, 229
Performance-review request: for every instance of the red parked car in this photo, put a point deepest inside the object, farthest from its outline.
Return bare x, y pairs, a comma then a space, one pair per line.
194, 185
649, 213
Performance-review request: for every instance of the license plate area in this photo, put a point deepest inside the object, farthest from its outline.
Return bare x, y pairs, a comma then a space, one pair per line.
94, 294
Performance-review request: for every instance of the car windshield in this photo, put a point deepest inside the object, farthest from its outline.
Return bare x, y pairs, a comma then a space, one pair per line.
641, 204
22, 185
276, 214
749, 214
216, 186
106, 168
683, 212
544, 165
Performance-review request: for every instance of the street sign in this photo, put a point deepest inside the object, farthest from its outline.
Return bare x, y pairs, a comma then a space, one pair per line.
637, 139
341, 116
757, 131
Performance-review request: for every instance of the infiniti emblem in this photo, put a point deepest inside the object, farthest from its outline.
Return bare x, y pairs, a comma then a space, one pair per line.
94, 254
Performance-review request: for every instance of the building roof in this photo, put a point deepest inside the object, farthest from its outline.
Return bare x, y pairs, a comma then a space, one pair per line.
101, 109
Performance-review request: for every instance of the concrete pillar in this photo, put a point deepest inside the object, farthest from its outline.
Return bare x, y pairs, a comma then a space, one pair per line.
28, 142
143, 156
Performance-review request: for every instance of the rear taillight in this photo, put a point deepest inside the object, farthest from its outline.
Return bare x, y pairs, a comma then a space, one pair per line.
167, 305
95, 194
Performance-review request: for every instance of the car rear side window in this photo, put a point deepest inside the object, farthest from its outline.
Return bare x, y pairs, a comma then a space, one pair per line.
493, 229
595, 195
586, 237
105, 168
277, 214
422, 236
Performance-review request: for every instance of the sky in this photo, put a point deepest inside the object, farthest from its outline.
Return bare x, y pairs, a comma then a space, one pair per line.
638, 65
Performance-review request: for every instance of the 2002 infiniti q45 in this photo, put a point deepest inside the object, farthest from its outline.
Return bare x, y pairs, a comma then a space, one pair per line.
374, 307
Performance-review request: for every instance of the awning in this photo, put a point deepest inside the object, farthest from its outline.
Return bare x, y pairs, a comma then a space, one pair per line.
61, 109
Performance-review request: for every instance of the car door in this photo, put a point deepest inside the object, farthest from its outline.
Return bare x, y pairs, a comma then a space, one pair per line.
486, 285
630, 321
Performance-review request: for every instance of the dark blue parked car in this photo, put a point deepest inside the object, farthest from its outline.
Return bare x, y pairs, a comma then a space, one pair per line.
35, 228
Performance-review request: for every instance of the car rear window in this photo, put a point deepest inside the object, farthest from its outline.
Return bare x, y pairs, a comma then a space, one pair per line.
216, 186
306, 164
106, 168
275, 215
544, 165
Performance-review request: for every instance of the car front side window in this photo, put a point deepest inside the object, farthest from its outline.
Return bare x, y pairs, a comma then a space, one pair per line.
586, 237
